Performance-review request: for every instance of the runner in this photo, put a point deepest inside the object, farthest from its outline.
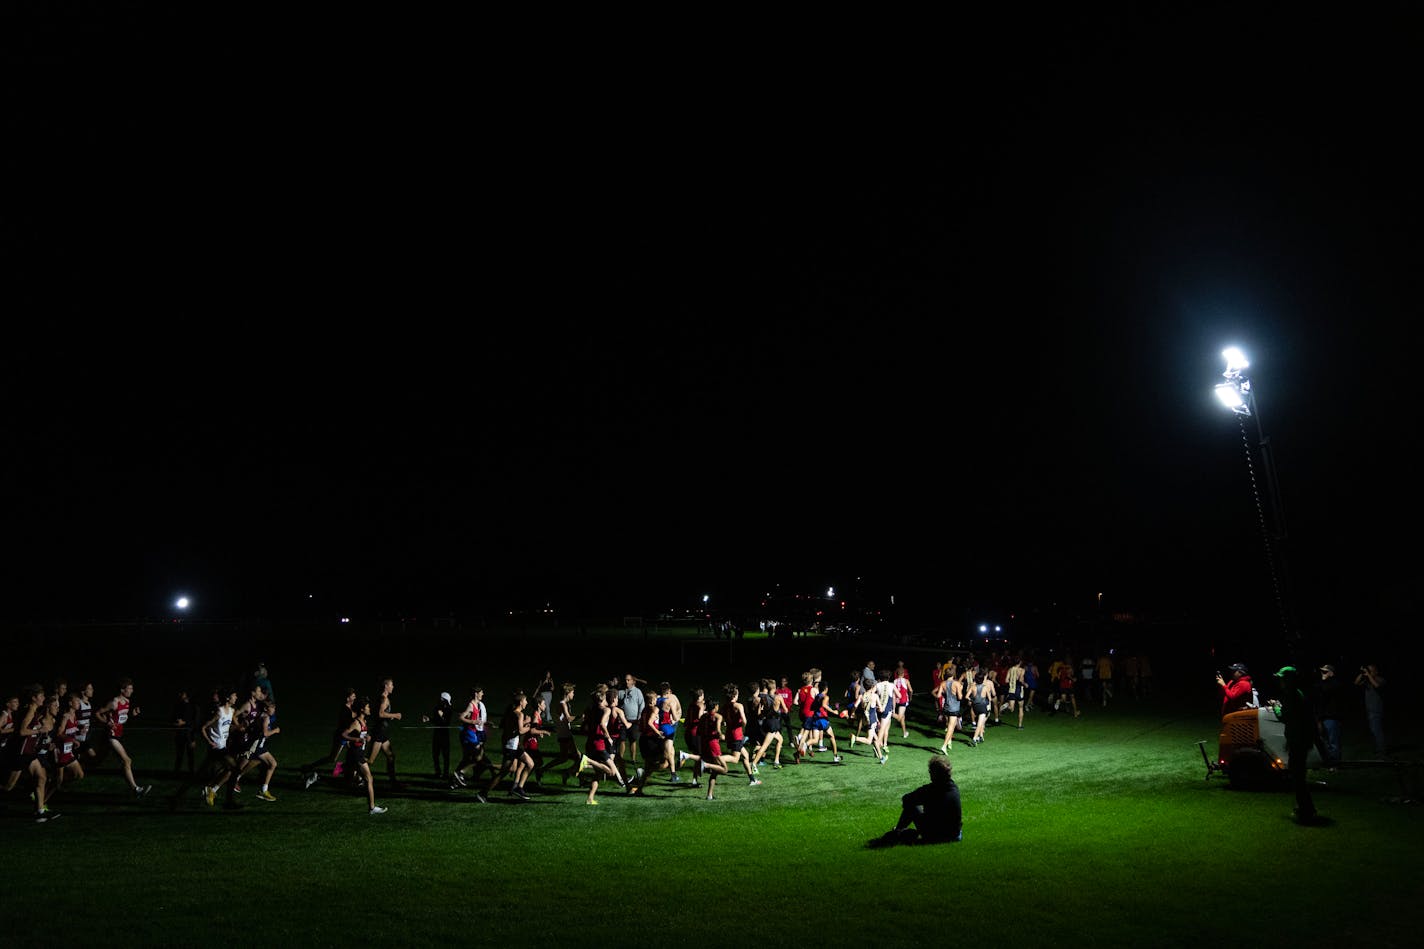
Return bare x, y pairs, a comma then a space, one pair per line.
473, 722
734, 714
597, 743
982, 699
381, 734
357, 736
669, 713
1014, 690
953, 689
712, 763
261, 728
67, 766
115, 716
903, 692
33, 758
514, 761
311, 772
218, 767
770, 711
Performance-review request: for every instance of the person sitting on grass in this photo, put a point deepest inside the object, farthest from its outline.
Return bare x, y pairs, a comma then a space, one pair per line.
929, 814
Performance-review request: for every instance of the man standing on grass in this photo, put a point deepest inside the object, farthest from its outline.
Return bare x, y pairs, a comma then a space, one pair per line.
929, 814
630, 700
1294, 711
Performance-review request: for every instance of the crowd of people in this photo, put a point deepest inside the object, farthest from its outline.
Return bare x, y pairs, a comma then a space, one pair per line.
623, 732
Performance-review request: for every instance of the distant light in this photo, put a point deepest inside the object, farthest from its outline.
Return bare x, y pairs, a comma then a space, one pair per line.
1235, 359
998, 629
345, 619
705, 598
983, 627
830, 591
181, 603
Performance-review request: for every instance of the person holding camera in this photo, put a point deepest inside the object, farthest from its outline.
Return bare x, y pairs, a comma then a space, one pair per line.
1237, 693
1372, 682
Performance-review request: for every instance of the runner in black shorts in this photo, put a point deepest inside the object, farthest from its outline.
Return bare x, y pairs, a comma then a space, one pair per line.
357, 736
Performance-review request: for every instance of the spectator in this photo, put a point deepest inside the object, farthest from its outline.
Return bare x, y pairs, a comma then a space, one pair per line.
929, 814
1130, 666
1330, 710
1372, 682
1105, 677
1294, 711
1236, 694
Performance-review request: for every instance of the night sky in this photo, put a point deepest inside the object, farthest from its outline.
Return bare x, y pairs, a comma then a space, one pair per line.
412, 317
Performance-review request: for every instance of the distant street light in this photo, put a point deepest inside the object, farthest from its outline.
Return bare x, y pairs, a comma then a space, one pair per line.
181, 603
1236, 394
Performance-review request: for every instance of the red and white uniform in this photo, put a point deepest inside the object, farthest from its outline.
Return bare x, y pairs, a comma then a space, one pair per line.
118, 717
68, 743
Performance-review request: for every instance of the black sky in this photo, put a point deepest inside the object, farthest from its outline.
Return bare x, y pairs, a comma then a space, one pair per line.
420, 316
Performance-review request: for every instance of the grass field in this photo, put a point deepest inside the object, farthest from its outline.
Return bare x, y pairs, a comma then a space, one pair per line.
1099, 831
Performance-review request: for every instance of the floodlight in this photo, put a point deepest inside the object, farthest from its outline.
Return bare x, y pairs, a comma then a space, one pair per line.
1235, 359
181, 603
1231, 396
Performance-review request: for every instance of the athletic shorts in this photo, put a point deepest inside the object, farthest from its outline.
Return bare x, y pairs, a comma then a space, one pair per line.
872, 716
714, 749
737, 744
601, 757
651, 748
770, 725
821, 724
900, 708
951, 708
668, 731
468, 736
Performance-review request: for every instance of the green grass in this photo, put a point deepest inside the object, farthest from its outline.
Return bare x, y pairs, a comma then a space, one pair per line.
1099, 831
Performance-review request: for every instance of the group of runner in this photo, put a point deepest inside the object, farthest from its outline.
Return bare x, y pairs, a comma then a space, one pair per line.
49, 737
623, 732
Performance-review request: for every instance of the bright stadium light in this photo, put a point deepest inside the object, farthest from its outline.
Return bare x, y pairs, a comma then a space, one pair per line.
181, 603
1235, 392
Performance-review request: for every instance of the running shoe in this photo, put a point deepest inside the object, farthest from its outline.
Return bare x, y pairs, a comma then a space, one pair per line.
45, 816
520, 793
682, 757
776, 766
265, 796
480, 797
377, 810
311, 779
884, 758
836, 760
459, 778
584, 763
754, 783
141, 791
210, 795
594, 803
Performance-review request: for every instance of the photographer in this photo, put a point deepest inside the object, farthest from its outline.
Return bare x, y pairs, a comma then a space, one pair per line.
1236, 694
1372, 682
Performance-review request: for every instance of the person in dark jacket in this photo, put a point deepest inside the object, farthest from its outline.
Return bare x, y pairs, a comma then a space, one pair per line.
1294, 710
929, 814
1330, 710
